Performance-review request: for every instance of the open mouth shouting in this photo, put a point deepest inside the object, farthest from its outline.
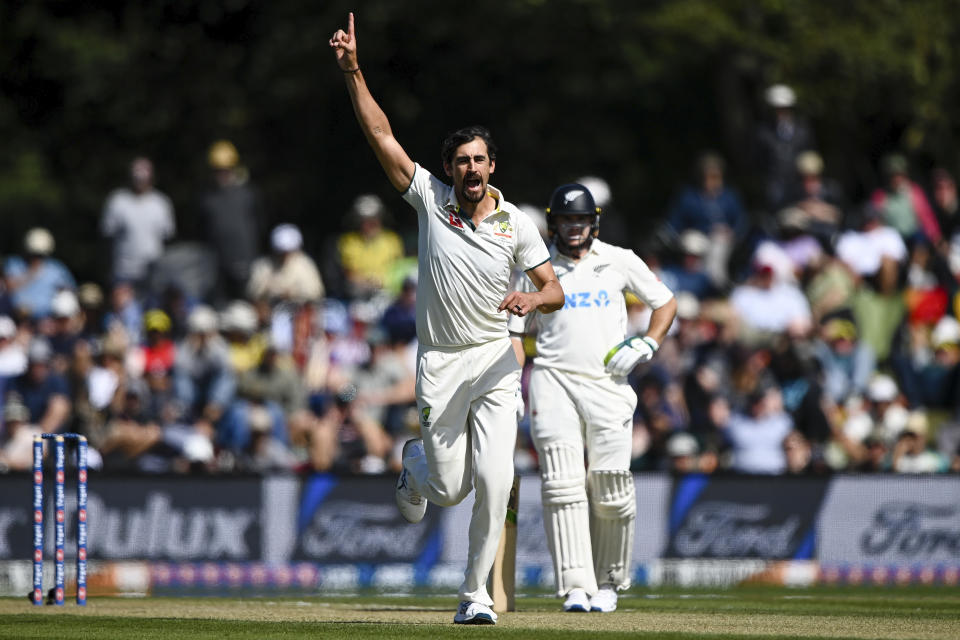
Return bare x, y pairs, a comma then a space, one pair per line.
473, 189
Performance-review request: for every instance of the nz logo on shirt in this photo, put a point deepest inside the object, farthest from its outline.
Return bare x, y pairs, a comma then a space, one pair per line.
582, 299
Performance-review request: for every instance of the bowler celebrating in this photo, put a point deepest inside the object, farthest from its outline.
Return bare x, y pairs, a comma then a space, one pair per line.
470, 239
579, 392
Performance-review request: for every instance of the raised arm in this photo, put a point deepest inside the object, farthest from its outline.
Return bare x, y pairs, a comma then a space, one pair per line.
373, 121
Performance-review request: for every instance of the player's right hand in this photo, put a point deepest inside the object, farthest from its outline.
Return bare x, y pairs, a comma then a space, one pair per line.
344, 45
621, 359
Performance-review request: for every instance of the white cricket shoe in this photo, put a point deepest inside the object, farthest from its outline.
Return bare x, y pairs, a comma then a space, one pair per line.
474, 613
605, 599
412, 505
577, 601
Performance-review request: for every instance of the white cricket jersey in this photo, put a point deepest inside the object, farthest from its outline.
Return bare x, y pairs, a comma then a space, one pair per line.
594, 318
464, 273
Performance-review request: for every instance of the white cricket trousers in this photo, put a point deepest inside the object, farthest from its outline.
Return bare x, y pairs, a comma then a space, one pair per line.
467, 399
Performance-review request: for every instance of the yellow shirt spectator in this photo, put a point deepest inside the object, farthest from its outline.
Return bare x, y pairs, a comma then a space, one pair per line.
369, 254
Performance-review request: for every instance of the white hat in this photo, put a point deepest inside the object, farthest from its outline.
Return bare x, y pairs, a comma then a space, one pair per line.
202, 319
598, 188
694, 242
780, 96
64, 304
882, 389
688, 306
537, 215
286, 237
918, 423
38, 241
368, 206
8, 328
682, 444
239, 315
39, 350
947, 331
259, 419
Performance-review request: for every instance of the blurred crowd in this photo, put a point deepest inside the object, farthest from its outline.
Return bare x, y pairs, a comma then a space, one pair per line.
814, 334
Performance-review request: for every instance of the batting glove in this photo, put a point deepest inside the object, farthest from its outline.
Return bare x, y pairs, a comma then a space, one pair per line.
621, 360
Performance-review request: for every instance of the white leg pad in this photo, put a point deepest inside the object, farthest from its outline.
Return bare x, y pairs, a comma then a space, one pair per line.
613, 510
566, 516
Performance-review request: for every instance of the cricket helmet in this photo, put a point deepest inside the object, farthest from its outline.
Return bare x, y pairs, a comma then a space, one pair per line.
572, 199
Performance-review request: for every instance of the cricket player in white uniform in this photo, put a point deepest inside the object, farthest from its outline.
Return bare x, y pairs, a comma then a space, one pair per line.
470, 240
579, 394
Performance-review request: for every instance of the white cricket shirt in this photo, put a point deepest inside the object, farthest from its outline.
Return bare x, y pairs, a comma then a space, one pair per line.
464, 273
594, 318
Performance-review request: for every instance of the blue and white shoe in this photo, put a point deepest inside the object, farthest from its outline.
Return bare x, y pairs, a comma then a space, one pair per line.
605, 600
577, 601
474, 613
412, 505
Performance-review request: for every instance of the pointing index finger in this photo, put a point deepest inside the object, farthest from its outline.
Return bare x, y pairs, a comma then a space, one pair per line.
350, 25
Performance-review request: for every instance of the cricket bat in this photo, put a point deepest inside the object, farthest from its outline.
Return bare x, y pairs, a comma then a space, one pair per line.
503, 576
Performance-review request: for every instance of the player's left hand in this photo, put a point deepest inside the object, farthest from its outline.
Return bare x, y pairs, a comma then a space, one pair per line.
519, 304
621, 359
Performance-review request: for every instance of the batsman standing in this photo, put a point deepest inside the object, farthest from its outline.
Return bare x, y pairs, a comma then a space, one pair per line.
470, 239
579, 394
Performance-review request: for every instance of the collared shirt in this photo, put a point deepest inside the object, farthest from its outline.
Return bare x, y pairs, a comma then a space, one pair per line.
594, 317
464, 273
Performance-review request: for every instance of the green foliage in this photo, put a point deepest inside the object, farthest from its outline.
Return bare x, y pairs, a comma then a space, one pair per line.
627, 90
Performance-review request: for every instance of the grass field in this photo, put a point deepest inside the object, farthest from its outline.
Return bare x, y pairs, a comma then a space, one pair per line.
895, 613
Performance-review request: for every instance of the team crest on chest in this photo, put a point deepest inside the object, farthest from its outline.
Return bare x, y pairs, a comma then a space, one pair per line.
503, 229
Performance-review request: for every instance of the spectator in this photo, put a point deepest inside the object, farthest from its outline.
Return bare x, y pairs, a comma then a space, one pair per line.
847, 363
689, 274
16, 445
44, 392
386, 385
67, 328
264, 453
930, 372
369, 254
943, 199
230, 215
203, 379
768, 305
159, 351
34, 279
798, 454
289, 274
715, 210
238, 325
361, 445
13, 357
819, 200
902, 203
756, 436
272, 388
779, 142
125, 315
875, 458
685, 455
90, 297
400, 318
138, 221
912, 454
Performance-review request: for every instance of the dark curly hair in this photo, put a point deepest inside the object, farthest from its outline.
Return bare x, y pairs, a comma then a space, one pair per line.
463, 136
